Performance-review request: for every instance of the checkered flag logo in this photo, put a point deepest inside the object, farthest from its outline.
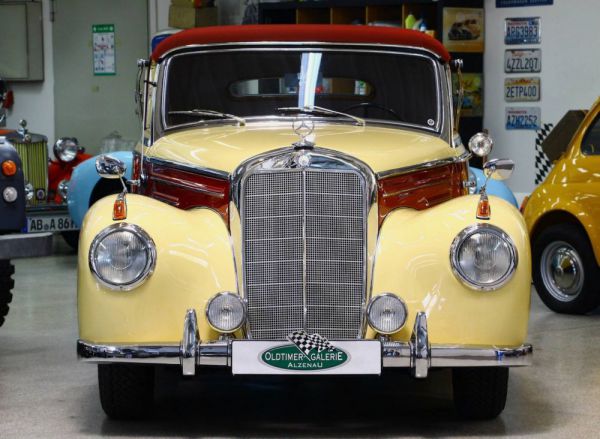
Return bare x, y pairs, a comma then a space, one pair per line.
543, 165
307, 342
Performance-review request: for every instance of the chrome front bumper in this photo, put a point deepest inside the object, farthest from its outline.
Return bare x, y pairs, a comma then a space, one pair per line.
418, 354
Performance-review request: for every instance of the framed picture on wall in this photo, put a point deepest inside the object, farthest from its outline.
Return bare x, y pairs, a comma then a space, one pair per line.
463, 29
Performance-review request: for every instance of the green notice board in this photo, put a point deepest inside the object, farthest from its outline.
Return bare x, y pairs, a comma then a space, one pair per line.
103, 43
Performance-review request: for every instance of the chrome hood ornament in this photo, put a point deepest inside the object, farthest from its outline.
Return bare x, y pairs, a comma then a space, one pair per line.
304, 129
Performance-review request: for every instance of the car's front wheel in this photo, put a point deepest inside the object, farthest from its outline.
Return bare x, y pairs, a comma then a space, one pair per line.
479, 392
565, 272
6, 285
126, 390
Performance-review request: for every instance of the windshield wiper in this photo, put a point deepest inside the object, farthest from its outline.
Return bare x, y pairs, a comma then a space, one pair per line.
321, 111
210, 113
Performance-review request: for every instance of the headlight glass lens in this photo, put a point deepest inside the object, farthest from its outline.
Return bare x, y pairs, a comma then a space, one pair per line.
65, 149
226, 312
484, 257
386, 313
122, 256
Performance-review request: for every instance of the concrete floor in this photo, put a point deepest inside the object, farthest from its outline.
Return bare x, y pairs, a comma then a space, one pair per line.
45, 392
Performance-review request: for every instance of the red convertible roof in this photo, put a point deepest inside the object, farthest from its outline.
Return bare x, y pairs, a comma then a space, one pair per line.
302, 32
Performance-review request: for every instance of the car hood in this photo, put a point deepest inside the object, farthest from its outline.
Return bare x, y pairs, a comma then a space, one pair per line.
224, 148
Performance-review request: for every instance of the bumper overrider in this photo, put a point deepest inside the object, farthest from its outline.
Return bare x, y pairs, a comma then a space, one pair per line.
417, 354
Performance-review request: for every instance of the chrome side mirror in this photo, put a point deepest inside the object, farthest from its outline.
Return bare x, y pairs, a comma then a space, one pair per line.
110, 167
499, 169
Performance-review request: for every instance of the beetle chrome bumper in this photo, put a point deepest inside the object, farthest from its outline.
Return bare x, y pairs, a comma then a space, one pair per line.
418, 354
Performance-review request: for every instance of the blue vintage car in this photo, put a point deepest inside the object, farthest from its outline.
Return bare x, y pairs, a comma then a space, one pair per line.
86, 187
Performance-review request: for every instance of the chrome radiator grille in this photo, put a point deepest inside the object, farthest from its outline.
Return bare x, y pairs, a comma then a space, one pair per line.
304, 235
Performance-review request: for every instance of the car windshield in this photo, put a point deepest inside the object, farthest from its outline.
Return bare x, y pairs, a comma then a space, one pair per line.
390, 87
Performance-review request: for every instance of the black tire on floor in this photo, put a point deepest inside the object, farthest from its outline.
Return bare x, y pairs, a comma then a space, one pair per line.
577, 296
479, 392
6, 285
71, 238
126, 390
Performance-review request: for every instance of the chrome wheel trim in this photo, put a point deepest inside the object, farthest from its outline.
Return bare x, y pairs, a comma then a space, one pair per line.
562, 271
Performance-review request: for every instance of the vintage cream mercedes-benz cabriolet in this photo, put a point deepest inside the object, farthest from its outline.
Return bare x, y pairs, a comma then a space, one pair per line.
300, 207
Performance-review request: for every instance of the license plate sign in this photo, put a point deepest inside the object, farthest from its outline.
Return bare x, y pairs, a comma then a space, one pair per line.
522, 89
523, 61
361, 357
525, 30
523, 118
50, 223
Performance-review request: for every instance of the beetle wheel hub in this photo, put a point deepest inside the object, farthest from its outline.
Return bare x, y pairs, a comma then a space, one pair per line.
562, 271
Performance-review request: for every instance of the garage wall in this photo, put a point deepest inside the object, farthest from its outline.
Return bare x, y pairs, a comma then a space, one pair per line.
570, 76
35, 101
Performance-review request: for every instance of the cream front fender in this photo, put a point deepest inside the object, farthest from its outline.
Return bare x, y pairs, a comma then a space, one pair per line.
194, 262
413, 261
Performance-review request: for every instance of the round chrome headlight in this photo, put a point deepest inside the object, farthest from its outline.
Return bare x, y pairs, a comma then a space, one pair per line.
65, 149
29, 191
63, 188
226, 312
483, 257
122, 256
10, 194
386, 313
481, 144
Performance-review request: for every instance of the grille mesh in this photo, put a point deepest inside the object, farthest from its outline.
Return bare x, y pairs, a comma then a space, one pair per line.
304, 262
34, 157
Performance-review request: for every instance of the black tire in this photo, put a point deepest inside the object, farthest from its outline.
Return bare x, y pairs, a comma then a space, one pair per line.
126, 390
575, 294
6, 285
479, 392
71, 238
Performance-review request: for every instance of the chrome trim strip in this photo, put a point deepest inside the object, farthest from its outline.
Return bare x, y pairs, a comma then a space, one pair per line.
469, 231
150, 250
369, 46
441, 118
214, 173
426, 165
194, 187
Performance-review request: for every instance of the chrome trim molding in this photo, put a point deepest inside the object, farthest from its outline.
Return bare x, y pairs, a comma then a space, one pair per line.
420, 350
416, 354
214, 173
466, 233
426, 165
150, 250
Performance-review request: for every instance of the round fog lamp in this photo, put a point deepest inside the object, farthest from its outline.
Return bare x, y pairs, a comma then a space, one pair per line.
63, 188
9, 194
122, 256
226, 312
483, 257
386, 313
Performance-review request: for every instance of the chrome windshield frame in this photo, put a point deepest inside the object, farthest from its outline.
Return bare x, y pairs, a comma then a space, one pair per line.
442, 117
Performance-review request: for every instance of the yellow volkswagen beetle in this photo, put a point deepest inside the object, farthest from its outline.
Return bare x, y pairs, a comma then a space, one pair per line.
300, 207
563, 217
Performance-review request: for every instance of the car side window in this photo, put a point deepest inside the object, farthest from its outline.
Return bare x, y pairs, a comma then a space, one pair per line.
591, 141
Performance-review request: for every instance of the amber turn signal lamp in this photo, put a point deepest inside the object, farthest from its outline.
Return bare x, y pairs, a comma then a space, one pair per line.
484, 211
120, 208
9, 168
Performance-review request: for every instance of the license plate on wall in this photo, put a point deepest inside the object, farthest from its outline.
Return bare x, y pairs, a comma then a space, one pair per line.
525, 30
523, 61
522, 89
523, 118
50, 223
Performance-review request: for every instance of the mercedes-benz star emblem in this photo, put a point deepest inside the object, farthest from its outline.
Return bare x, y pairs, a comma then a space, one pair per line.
303, 128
